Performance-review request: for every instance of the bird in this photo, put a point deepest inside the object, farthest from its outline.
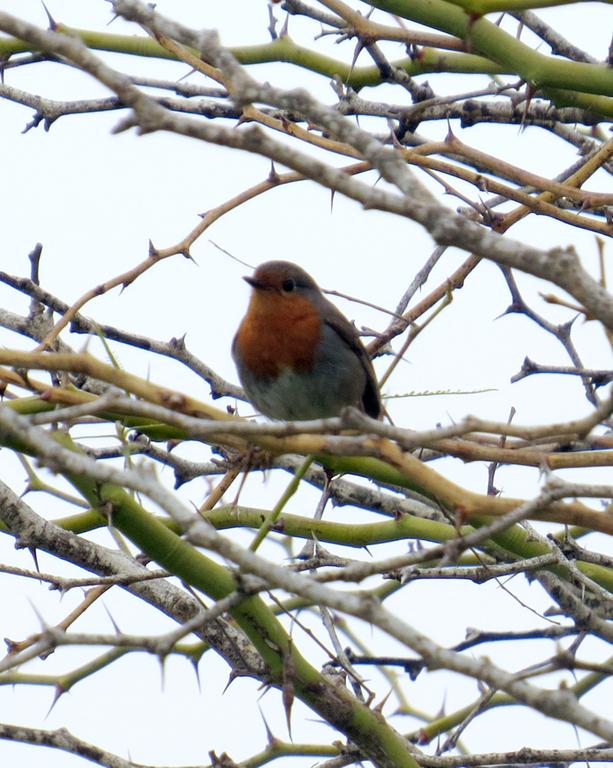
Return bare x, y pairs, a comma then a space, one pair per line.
297, 355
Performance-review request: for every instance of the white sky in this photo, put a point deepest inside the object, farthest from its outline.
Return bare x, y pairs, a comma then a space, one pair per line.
94, 199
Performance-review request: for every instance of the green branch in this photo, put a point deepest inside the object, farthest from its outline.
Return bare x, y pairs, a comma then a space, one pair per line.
567, 83
481, 7
513, 540
482, 36
285, 50
265, 631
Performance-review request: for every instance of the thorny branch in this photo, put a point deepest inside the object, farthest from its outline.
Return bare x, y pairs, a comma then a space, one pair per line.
473, 537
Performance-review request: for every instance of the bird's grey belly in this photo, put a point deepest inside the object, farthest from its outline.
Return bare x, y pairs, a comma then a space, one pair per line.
321, 393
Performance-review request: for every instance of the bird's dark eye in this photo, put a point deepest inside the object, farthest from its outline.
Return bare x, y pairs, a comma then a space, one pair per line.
288, 285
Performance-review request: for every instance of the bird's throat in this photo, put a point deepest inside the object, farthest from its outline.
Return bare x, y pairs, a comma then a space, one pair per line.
278, 332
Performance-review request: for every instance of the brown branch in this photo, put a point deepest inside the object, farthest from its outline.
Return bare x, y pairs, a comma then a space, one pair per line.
419, 476
367, 30
591, 165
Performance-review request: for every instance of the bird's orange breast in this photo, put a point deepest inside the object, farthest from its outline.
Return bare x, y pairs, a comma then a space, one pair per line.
278, 332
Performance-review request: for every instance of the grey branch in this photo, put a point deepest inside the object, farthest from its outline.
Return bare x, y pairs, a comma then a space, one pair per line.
560, 265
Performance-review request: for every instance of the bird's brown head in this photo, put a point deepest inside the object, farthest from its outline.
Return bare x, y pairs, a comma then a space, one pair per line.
281, 278
283, 289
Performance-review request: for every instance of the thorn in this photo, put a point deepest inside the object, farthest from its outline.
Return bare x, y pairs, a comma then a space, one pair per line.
33, 552
50, 19
172, 444
393, 135
450, 137
289, 671
358, 50
285, 28
187, 74
11, 645
232, 677
125, 124
520, 29
565, 328
178, 343
187, 255
530, 91
113, 622
273, 176
443, 706
153, 251
269, 734
272, 23
242, 119
34, 123
287, 124
34, 258
196, 669
162, 659
379, 707
41, 621
59, 692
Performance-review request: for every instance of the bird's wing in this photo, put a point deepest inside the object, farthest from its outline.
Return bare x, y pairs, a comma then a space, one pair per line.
371, 398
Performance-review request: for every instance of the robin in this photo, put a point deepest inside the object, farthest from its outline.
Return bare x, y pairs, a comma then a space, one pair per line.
297, 355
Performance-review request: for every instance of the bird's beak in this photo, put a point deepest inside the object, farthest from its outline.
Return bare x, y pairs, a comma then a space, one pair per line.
253, 282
